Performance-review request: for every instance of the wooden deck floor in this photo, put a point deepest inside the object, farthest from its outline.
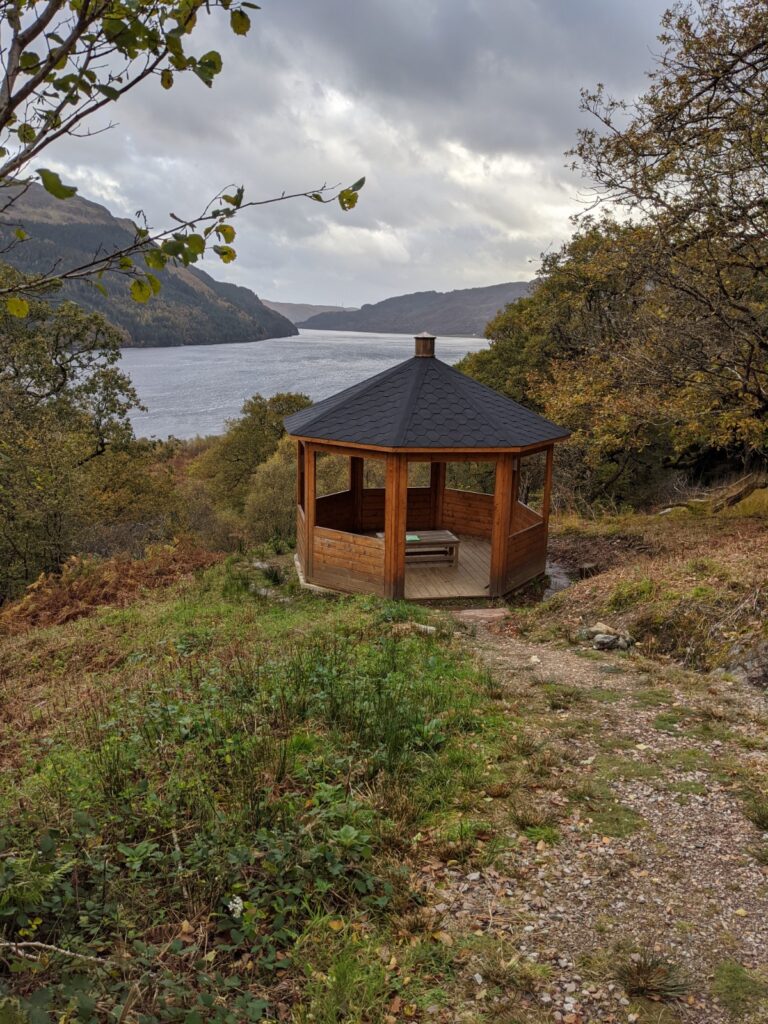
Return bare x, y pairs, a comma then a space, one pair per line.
469, 578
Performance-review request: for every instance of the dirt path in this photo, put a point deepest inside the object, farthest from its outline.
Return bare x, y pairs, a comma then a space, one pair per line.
642, 852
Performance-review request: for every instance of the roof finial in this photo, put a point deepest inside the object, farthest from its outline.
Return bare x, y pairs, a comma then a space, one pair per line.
425, 344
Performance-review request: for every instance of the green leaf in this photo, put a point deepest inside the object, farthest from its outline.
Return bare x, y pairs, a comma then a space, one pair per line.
195, 245
225, 232
236, 199
240, 22
155, 259
125, 263
358, 185
317, 197
166, 78
26, 133
21, 234
225, 253
141, 290
208, 66
17, 306
53, 184
347, 199
154, 284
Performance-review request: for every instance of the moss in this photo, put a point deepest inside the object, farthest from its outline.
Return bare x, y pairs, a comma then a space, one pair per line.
630, 593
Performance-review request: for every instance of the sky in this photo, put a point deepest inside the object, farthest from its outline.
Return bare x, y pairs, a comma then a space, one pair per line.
457, 112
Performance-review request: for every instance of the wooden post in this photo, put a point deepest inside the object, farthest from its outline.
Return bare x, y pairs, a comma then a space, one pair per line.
436, 494
502, 523
300, 462
547, 499
356, 469
395, 510
310, 511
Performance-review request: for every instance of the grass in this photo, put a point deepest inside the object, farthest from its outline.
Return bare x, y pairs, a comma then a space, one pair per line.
741, 991
221, 816
646, 973
661, 584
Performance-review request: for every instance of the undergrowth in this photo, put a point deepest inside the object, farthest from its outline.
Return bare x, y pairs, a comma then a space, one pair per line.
173, 850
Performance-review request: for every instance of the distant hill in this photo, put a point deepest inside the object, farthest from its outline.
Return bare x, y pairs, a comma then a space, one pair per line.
192, 307
463, 312
297, 311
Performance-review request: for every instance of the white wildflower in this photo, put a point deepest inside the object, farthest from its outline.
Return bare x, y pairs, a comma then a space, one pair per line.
235, 907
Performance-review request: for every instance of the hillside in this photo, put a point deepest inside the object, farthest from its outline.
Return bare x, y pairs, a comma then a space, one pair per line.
192, 308
463, 312
297, 311
432, 817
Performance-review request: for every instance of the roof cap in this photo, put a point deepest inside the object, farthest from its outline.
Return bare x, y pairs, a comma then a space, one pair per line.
425, 345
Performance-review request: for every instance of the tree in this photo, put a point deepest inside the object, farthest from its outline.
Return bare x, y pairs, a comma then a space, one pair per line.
687, 161
64, 61
231, 459
65, 440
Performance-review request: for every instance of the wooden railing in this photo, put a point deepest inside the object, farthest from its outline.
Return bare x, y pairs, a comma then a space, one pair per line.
347, 561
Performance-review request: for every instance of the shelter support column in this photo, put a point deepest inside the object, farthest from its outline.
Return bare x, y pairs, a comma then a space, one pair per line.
310, 510
436, 494
547, 499
395, 508
356, 469
502, 523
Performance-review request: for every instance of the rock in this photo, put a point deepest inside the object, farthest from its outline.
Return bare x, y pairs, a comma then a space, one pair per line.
600, 627
261, 566
750, 664
480, 614
408, 628
605, 641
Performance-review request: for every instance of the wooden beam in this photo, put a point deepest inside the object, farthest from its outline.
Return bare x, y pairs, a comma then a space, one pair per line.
356, 470
310, 510
436, 494
395, 510
502, 523
377, 451
547, 499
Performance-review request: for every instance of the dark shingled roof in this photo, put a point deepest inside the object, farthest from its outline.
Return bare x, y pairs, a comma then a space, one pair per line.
423, 403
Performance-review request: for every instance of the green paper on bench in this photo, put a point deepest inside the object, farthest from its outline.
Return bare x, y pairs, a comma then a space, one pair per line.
412, 536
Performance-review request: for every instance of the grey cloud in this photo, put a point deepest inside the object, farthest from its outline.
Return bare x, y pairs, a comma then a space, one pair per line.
458, 112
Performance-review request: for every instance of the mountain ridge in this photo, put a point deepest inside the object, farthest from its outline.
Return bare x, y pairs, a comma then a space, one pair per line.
296, 311
462, 312
192, 308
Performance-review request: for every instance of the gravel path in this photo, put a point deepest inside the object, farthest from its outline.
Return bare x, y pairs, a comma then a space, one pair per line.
655, 855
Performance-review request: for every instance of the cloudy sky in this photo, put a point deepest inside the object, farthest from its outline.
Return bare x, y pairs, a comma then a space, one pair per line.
458, 113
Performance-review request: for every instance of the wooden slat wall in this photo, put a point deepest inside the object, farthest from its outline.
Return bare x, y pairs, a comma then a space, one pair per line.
372, 509
523, 517
348, 561
468, 512
526, 555
336, 511
419, 509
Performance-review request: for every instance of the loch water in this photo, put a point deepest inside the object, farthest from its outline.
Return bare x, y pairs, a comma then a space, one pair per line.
194, 389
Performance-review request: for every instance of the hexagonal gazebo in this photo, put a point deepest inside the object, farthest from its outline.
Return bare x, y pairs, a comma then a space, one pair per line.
421, 542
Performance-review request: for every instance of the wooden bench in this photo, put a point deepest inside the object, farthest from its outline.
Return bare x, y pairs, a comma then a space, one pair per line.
425, 546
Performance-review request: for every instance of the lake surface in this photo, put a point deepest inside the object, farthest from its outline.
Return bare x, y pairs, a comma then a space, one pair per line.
194, 389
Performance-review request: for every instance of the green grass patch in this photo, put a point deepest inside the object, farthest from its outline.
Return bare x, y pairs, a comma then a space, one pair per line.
629, 593
252, 777
741, 991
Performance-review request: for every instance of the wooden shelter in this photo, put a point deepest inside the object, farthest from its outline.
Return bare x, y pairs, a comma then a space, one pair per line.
377, 539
